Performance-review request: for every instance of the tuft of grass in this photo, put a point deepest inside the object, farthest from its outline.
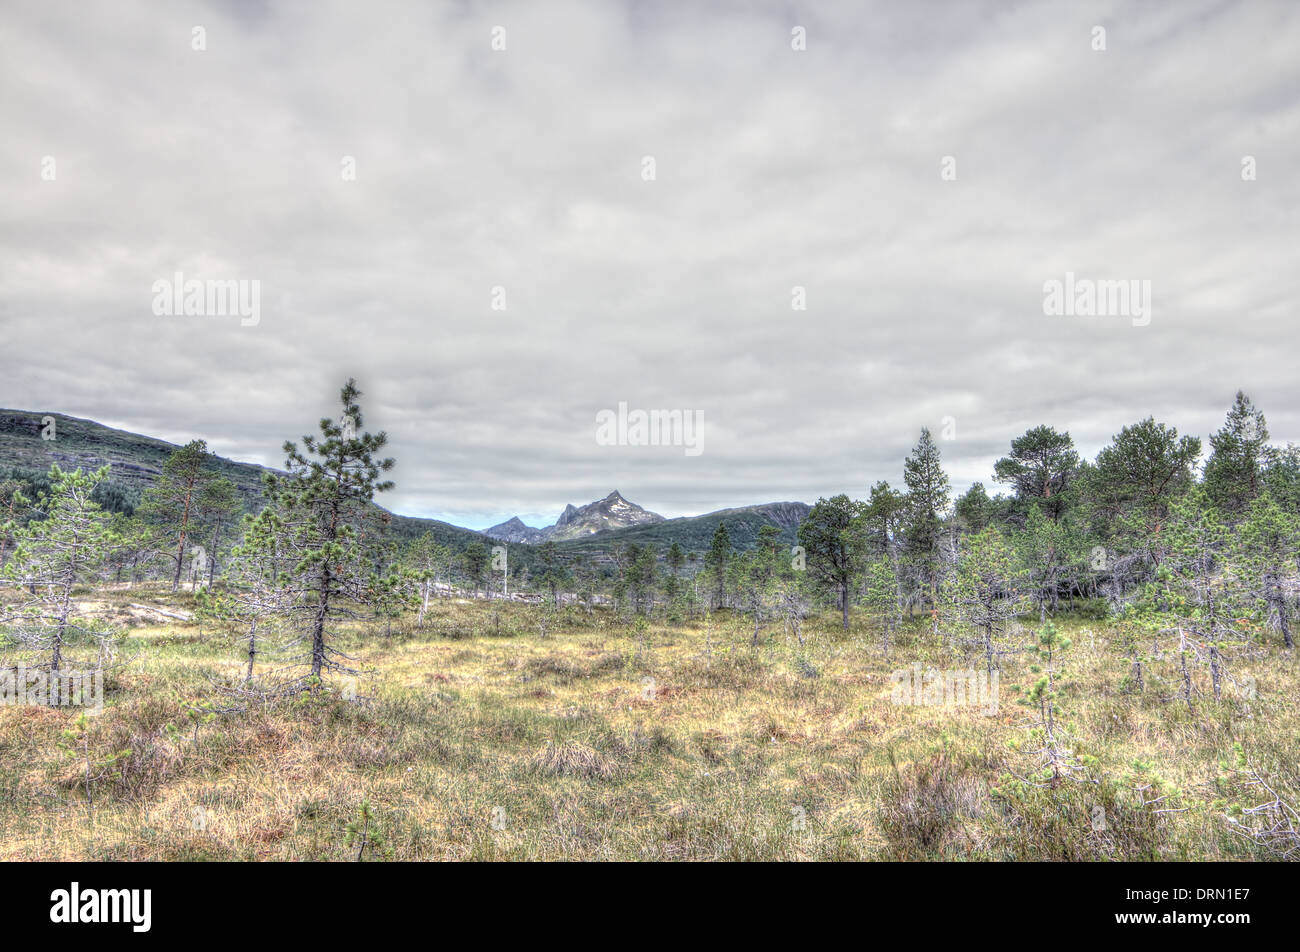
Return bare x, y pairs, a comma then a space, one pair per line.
574, 759
923, 805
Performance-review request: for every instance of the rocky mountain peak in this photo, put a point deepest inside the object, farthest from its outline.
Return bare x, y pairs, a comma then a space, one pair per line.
514, 530
612, 512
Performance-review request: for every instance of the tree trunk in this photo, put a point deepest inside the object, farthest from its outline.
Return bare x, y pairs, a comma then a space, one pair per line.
56, 658
252, 648
180, 561
318, 627
1187, 675
1277, 605
212, 556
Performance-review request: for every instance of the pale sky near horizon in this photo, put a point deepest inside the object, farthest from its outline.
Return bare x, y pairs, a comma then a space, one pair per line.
775, 168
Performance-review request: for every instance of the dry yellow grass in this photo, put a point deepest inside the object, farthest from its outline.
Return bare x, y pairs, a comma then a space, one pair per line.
477, 738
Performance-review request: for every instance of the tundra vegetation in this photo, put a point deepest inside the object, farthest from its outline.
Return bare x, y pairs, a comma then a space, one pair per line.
317, 686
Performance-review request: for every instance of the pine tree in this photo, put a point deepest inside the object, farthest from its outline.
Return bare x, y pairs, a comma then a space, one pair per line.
428, 560
756, 574
1266, 551
554, 573
1239, 455
65, 545
974, 509
474, 562
1282, 478
675, 558
1049, 550
172, 502
833, 546
1195, 597
218, 506
259, 598
882, 596
13, 507
1199, 538
1045, 696
316, 509
136, 546
1041, 467
674, 561
640, 574
985, 594
927, 502
716, 563
882, 519
1136, 480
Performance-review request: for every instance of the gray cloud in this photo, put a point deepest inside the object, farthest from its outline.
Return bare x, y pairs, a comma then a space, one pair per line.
522, 169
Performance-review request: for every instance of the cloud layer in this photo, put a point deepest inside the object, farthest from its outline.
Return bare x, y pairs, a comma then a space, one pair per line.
523, 168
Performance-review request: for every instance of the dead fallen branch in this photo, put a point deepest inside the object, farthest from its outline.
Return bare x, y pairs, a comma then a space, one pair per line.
179, 616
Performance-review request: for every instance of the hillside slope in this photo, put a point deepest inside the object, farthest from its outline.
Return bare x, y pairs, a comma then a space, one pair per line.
591, 531
694, 533
136, 462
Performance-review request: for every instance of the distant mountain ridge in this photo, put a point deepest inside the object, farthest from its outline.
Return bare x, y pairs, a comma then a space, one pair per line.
513, 530
612, 512
694, 533
136, 463
603, 515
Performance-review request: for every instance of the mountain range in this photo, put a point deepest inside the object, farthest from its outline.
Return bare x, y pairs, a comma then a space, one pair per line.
612, 512
591, 530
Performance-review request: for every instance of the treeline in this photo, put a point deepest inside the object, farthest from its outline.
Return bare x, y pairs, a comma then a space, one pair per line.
23, 482
1142, 527
1209, 554
1190, 566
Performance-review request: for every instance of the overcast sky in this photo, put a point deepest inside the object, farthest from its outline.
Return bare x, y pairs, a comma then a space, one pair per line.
523, 168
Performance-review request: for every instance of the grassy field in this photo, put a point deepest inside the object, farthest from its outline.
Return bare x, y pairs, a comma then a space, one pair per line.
481, 737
